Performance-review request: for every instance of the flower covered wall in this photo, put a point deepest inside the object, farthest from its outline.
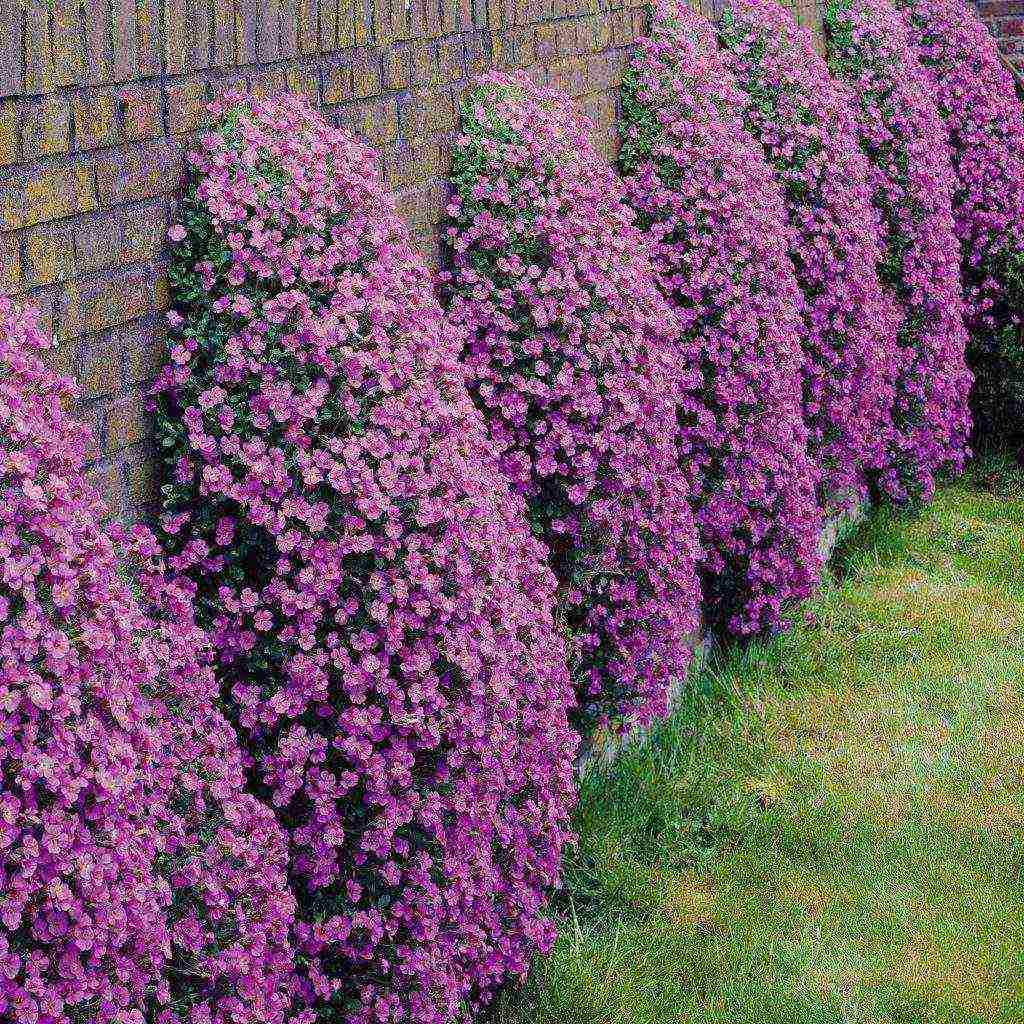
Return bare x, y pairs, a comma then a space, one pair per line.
565, 340
977, 101
912, 184
802, 117
381, 617
137, 880
713, 220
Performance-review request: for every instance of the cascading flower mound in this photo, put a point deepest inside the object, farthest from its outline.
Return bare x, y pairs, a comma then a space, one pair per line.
912, 183
564, 340
976, 98
382, 619
713, 221
802, 117
137, 880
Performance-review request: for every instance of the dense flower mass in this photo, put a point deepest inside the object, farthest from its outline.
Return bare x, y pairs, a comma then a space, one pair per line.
976, 99
137, 880
912, 183
714, 222
381, 617
802, 117
565, 339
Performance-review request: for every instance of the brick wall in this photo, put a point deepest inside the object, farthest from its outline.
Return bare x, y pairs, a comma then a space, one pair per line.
100, 98
1005, 19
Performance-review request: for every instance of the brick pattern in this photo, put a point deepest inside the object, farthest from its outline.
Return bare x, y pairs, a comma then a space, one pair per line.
1005, 19
99, 99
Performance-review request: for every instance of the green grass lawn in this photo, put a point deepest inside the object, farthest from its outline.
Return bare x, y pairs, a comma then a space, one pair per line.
832, 831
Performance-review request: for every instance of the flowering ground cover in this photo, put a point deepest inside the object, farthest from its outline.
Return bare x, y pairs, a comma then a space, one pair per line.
137, 879
912, 183
714, 223
803, 118
565, 342
976, 99
381, 617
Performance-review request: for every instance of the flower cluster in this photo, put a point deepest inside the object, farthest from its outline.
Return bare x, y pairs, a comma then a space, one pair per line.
565, 342
975, 95
381, 617
912, 183
137, 880
714, 223
802, 117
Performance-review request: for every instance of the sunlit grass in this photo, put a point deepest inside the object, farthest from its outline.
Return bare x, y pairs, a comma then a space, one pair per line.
831, 831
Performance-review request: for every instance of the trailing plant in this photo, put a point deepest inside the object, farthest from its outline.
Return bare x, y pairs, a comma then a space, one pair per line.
381, 617
137, 880
977, 100
565, 340
912, 183
802, 117
714, 223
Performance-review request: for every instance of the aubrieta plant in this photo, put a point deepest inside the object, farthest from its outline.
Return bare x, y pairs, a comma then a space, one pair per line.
564, 341
975, 95
138, 881
802, 117
912, 183
381, 617
713, 220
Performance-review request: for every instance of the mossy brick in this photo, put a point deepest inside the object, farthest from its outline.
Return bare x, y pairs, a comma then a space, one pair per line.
55, 191
111, 301
100, 373
123, 35
268, 30
38, 57
328, 26
301, 78
11, 281
98, 244
245, 32
147, 37
12, 52
143, 344
265, 83
142, 477
67, 44
48, 253
125, 424
138, 172
94, 118
365, 75
141, 112
396, 68
223, 41
45, 126
187, 106
99, 55
337, 82
143, 229
10, 133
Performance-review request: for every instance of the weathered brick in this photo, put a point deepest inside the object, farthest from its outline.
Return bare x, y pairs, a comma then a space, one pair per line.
10, 133
97, 242
143, 231
142, 483
94, 118
125, 424
68, 44
147, 36
138, 172
124, 33
11, 281
141, 109
98, 46
39, 71
12, 53
48, 254
45, 126
58, 190
187, 107
100, 372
